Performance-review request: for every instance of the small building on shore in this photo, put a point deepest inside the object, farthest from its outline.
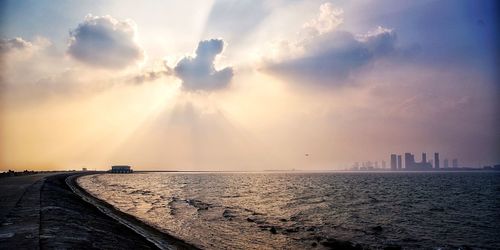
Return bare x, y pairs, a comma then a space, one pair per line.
121, 169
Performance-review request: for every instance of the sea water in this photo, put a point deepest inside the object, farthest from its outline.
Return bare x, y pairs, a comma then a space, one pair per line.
295, 210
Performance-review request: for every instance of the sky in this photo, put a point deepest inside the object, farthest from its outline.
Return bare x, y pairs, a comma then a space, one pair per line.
246, 85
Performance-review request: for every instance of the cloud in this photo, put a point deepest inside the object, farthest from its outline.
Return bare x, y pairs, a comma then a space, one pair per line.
149, 76
322, 53
16, 43
152, 75
103, 41
380, 41
329, 18
336, 56
199, 73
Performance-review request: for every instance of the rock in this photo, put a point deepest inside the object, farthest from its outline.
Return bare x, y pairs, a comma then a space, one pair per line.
273, 230
199, 205
292, 230
227, 214
377, 228
283, 220
314, 244
250, 220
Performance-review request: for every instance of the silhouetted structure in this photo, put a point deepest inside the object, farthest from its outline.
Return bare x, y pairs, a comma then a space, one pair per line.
121, 169
436, 160
400, 162
409, 161
394, 163
383, 164
423, 165
445, 163
454, 163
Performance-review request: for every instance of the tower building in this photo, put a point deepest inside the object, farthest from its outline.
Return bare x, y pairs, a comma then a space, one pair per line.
436, 160
393, 162
409, 161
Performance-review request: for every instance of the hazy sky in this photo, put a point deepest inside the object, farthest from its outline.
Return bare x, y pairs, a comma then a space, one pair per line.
246, 85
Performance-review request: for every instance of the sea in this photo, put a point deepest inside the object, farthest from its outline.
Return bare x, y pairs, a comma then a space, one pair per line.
298, 210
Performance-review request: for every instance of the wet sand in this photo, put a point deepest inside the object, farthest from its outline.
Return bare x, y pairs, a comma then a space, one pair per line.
42, 212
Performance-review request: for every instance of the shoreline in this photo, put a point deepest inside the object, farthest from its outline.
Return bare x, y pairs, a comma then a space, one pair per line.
50, 215
159, 239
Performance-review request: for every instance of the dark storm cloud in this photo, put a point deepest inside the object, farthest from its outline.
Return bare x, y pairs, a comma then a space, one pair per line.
335, 55
105, 42
16, 43
199, 73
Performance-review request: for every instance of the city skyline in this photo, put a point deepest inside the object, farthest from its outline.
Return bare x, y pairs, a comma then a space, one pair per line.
425, 164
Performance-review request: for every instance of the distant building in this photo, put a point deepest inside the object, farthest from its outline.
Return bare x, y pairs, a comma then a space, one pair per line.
355, 166
436, 160
400, 162
383, 164
409, 161
120, 169
84, 169
454, 163
445, 163
394, 162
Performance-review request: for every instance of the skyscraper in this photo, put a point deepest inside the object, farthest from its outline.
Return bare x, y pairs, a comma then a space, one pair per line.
393, 162
436, 160
445, 163
424, 157
383, 164
400, 162
409, 161
454, 163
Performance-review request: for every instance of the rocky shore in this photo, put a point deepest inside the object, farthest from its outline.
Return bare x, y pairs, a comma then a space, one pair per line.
49, 214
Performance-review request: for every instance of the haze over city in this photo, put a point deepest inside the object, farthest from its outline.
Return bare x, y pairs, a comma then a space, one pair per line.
246, 85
